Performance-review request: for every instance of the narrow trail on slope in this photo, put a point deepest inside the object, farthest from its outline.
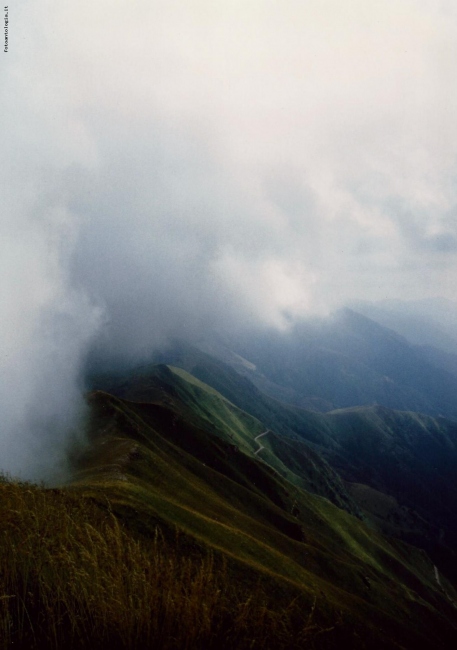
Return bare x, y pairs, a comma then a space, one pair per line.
256, 440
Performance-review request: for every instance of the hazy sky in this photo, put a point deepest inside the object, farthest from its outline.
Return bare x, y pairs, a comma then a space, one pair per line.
169, 166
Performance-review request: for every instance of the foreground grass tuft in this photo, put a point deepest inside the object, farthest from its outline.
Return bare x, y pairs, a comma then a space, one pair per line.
71, 576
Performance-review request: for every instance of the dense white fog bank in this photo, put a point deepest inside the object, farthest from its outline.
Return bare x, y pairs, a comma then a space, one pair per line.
174, 167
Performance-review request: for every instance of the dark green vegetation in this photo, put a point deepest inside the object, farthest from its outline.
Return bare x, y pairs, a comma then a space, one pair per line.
184, 527
410, 457
406, 456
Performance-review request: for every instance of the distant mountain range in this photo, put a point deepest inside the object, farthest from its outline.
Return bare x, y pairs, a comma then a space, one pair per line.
431, 322
342, 361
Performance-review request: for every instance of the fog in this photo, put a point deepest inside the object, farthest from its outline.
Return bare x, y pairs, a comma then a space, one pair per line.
171, 168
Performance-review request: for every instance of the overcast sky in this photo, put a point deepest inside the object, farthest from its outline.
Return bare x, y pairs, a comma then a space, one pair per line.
169, 166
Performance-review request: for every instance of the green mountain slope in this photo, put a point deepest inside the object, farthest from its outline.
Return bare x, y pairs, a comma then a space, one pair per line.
177, 532
159, 468
410, 457
405, 456
197, 402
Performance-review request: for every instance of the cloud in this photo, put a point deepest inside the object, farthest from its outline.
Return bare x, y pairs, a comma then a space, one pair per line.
44, 328
176, 166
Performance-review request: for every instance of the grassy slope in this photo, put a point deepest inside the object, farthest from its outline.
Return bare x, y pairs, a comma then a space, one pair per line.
407, 456
168, 521
178, 473
411, 457
73, 575
291, 458
208, 409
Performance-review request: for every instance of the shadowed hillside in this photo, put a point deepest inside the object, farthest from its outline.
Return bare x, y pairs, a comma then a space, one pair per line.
185, 508
409, 457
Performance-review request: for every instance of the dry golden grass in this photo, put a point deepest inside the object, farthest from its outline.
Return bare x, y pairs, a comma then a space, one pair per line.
71, 576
